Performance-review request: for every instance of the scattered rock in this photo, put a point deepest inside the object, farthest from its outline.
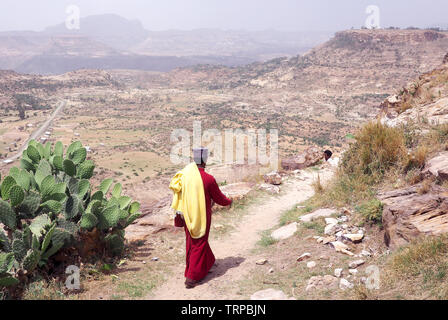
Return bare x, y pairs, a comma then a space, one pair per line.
304, 256
322, 282
338, 272
261, 262
328, 239
317, 214
155, 259
269, 294
144, 262
356, 264
331, 221
341, 247
345, 284
269, 188
330, 228
285, 231
343, 219
311, 264
365, 253
271, 270
353, 237
353, 271
273, 178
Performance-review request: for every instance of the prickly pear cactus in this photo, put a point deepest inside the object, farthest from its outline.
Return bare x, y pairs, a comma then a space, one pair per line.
48, 203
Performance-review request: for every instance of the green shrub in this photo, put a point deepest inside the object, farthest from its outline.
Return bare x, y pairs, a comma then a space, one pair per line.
371, 211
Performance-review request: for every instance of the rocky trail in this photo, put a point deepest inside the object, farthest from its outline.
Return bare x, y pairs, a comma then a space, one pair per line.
234, 256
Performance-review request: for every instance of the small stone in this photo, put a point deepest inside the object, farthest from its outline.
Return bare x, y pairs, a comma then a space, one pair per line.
273, 178
344, 226
269, 294
338, 272
356, 263
343, 219
311, 264
363, 280
144, 262
345, 284
331, 221
261, 262
155, 259
317, 214
365, 253
271, 270
341, 247
320, 240
353, 237
353, 271
328, 239
330, 228
285, 231
304, 256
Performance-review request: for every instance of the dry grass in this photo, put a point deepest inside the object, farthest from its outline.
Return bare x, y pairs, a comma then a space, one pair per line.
418, 270
317, 185
425, 186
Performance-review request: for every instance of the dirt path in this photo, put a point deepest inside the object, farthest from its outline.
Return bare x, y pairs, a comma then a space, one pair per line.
233, 253
38, 132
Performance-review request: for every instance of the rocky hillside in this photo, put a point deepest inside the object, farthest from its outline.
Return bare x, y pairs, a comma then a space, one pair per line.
353, 71
420, 207
44, 88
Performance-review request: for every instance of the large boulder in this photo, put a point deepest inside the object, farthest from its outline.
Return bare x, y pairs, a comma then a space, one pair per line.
308, 158
438, 166
407, 214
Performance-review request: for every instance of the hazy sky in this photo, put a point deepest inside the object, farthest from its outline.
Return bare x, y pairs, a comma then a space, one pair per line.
326, 15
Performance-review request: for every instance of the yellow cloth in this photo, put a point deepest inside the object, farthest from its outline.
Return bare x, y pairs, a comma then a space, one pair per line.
189, 198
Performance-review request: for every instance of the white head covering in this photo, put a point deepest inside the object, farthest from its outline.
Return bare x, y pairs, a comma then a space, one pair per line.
200, 155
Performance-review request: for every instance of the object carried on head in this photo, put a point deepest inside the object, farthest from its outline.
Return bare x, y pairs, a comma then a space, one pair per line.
200, 155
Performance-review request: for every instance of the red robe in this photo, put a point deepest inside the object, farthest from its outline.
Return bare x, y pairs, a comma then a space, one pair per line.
199, 256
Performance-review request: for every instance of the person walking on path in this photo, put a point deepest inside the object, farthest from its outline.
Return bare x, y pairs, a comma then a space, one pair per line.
194, 190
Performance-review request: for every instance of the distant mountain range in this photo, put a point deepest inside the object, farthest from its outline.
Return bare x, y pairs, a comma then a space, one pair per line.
113, 42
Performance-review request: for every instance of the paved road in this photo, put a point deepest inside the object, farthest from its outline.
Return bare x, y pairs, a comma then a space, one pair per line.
38, 132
